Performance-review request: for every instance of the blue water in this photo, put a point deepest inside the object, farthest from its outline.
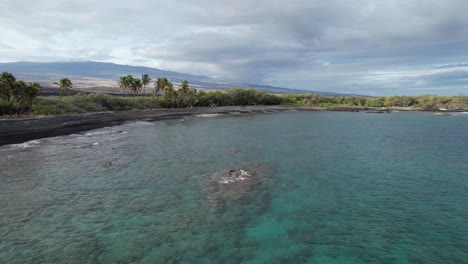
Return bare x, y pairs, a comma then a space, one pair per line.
341, 188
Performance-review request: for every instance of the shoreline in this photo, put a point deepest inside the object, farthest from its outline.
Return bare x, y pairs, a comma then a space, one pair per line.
22, 129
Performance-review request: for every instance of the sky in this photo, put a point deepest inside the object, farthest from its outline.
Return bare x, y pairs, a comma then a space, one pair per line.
370, 47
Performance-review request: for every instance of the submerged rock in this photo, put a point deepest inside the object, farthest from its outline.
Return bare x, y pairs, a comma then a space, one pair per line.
236, 186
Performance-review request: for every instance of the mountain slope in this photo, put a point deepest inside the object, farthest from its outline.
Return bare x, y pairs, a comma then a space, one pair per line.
102, 77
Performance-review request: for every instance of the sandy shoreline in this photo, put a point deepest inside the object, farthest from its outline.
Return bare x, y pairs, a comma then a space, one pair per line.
19, 130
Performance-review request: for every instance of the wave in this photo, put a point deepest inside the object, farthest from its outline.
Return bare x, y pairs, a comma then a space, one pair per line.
208, 115
141, 123
24, 145
104, 133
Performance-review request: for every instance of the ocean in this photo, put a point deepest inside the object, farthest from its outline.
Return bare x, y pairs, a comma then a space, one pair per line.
332, 187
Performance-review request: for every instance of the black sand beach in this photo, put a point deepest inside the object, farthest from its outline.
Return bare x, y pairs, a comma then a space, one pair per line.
18, 130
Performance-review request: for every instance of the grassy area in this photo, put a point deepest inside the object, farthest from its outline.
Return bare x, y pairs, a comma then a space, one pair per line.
423, 102
55, 105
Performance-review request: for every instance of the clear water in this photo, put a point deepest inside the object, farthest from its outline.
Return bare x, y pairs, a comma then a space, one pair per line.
344, 188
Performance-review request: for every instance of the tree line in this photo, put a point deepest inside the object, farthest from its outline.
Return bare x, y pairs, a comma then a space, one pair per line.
423, 102
18, 97
185, 96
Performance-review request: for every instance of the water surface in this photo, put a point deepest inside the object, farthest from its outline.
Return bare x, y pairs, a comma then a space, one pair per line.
343, 188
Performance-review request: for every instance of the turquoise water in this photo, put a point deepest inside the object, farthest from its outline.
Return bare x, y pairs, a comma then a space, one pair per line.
342, 188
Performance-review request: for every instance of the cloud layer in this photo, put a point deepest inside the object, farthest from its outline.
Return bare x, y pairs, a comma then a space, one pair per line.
354, 46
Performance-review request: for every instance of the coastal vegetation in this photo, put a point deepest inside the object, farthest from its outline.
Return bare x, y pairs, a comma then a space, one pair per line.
65, 86
422, 102
17, 98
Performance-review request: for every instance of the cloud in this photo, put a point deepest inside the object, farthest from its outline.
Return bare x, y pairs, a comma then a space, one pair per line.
453, 65
4, 46
342, 46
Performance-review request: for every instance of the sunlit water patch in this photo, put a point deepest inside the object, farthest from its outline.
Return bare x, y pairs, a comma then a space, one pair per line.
278, 188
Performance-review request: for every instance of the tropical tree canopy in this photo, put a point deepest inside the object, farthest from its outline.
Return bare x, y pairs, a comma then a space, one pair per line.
18, 90
25, 93
32, 91
184, 87
135, 86
123, 84
7, 84
145, 80
65, 86
162, 85
127, 83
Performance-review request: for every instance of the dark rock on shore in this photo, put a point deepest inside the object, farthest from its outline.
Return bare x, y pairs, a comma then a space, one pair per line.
386, 111
347, 109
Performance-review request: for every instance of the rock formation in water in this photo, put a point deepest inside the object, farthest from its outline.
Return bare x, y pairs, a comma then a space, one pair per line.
235, 186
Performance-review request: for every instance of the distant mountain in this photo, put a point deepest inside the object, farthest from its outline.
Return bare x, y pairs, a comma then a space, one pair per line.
102, 77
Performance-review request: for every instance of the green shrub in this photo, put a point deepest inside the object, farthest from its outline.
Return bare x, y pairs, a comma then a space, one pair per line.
12, 108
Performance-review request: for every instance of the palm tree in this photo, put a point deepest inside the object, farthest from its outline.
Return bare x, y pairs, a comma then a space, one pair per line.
161, 85
25, 93
65, 86
18, 90
135, 86
171, 94
187, 95
145, 80
7, 84
32, 91
170, 89
124, 82
183, 92
184, 87
191, 98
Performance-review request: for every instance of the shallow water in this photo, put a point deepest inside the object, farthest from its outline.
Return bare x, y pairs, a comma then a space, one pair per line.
342, 188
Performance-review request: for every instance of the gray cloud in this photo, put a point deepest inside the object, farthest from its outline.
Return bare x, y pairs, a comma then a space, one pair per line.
453, 65
358, 46
5, 47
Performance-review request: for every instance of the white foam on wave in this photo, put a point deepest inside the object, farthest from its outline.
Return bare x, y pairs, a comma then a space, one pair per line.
226, 180
235, 178
208, 115
104, 133
24, 145
90, 138
96, 133
244, 173
141, 123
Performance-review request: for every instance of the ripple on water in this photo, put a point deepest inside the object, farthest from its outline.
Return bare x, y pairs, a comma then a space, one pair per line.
341, 188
